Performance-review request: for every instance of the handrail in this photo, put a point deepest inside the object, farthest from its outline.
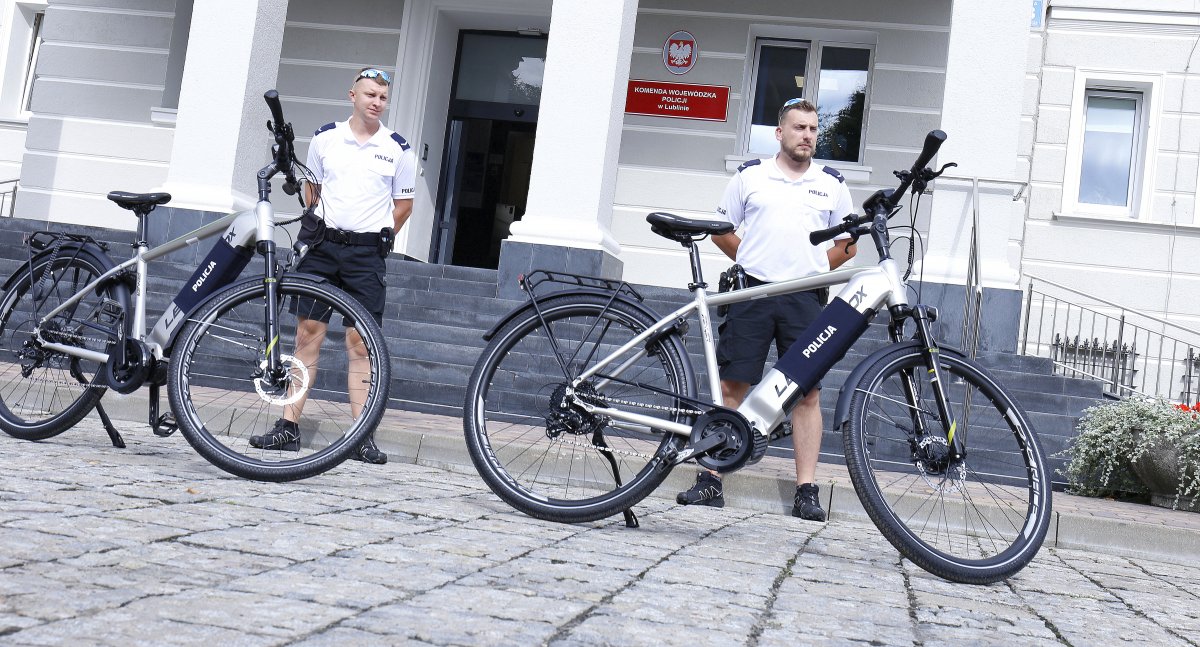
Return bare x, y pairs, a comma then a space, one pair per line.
973, 301
1115, 305
1129, 351
8, 196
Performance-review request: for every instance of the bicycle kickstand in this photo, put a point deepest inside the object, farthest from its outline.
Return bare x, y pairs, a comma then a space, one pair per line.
113, 434
631, 520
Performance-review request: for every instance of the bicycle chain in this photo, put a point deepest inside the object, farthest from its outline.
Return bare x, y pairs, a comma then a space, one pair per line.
606, 400
646, 405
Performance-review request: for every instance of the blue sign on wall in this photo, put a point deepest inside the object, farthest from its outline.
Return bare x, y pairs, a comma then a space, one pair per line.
1039, 14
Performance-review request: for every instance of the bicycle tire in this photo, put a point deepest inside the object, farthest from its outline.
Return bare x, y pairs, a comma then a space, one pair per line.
567, 477
44, 393
975, 521
221, 397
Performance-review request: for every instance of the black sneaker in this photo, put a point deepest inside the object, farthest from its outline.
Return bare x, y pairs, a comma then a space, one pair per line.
706, 491
808, 503
284, 437
369, 453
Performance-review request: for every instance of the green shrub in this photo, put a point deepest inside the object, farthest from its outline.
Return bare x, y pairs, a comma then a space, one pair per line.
1112, 436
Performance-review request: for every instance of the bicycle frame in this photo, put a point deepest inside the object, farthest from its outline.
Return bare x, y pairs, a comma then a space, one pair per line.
866, 290
242, 229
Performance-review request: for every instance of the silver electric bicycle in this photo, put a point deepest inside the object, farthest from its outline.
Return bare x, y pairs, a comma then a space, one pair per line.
584, 400
73, 326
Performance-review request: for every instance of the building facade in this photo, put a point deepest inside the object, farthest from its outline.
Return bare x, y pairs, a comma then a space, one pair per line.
543, 126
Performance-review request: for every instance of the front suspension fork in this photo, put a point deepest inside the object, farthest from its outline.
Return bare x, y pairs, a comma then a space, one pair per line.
923, 317
273, 371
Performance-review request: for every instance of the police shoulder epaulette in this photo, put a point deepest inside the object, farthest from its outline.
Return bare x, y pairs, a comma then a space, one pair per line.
832, 171
400, 140
748, 164
322, 129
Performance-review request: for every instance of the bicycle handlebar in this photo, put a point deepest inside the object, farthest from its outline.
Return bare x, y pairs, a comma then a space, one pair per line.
272, 98
884, 198
284, 151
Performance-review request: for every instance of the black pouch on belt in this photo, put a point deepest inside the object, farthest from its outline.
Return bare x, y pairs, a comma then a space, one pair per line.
312, 228
385, 242
733, 278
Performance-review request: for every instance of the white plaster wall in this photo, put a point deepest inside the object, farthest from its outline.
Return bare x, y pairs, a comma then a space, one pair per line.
101, 70
1146, 263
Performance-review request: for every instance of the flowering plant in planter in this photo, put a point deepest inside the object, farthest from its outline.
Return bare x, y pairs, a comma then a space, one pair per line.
1124, 448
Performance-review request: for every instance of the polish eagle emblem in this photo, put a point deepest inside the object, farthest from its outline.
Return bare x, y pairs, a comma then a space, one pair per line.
680, 54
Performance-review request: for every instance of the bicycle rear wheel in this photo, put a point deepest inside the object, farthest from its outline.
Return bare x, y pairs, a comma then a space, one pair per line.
977, 519
222, 394
545, 456
43, 392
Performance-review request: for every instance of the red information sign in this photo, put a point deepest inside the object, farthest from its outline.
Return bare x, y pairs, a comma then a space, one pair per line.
681, 100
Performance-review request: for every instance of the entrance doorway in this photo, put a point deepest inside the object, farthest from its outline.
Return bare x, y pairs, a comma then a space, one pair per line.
489, 145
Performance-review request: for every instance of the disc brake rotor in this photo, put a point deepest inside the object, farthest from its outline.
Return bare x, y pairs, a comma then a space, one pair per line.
294, 387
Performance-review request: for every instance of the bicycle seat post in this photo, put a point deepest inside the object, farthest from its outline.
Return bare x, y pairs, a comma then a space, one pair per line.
697, 274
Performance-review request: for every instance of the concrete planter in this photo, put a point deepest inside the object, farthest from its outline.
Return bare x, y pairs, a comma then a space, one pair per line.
1158, 468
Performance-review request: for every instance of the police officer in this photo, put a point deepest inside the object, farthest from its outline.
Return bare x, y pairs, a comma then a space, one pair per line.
776, 203
364, 180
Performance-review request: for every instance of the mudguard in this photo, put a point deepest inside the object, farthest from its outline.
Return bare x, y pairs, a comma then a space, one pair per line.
841, 411
120, 290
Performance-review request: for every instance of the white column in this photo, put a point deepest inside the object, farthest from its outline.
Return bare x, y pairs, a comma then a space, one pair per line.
221, 138
574, 175
981, 114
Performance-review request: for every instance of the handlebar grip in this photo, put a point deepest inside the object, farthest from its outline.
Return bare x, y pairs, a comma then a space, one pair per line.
933, 141
272, 98
822, 235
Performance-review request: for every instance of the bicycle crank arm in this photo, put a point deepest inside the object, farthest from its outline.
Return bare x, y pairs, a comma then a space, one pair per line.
706, 444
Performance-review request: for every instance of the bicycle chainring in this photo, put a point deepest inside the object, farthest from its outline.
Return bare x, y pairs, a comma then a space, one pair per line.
129, 376
739, 446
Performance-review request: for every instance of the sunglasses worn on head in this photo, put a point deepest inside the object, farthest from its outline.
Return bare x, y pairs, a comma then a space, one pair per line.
374, 73
792, 102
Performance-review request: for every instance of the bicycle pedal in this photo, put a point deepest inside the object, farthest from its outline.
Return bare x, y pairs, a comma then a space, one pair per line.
165, 425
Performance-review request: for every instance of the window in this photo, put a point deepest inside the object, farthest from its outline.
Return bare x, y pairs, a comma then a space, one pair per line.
834, 76
31, 61
1109, 166
1110, 144
18, 61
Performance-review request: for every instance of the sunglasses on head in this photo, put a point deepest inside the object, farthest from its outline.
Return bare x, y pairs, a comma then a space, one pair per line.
374, 73
792, 102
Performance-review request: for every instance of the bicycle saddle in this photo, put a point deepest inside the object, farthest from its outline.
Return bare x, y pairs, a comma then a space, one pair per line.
678, 228
140, 202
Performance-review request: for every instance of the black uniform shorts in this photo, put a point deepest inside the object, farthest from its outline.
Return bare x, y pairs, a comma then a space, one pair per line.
751, 326
357, 269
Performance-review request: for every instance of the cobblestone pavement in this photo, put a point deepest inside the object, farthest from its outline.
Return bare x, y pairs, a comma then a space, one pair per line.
151, 545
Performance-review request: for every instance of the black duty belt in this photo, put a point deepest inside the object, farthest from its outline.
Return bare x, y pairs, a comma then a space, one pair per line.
365, 239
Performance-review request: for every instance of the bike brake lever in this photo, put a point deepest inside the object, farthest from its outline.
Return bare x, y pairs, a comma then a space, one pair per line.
945, 166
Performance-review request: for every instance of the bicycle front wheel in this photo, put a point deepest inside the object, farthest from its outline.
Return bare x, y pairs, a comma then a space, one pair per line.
334, 385
538, 450
976, 519
43, 392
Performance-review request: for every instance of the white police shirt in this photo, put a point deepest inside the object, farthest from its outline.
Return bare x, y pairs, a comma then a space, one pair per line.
775, 216
360, 181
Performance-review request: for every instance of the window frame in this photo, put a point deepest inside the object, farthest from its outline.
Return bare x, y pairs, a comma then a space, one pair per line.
1089, 83
18, 62
815, 41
